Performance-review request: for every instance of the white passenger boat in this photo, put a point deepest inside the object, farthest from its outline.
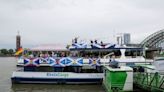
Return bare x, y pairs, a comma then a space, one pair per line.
80, 63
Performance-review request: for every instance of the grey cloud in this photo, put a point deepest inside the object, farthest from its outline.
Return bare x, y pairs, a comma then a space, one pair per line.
58, 21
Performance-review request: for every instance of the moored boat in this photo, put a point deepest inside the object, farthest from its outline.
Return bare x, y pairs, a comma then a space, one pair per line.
80, 63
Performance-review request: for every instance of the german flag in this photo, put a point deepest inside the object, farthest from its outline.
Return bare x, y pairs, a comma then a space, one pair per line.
20, 50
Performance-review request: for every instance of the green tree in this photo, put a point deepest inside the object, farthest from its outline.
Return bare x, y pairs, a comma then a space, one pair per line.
4, 51
10, 51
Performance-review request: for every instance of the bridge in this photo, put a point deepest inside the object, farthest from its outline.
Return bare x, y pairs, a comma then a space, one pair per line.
155, 40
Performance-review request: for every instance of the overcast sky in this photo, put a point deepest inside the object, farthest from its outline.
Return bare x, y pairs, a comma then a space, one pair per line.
58, 21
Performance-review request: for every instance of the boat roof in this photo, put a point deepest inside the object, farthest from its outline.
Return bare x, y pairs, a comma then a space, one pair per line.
50, 47
107, 49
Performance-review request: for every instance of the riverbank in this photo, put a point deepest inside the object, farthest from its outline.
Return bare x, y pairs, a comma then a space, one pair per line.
7, 56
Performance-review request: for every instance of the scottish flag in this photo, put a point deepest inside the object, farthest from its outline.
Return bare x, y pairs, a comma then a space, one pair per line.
59, 62
44, 59
106, 46
94, 45
31, 62
51, 61
94, 61
74, 62
110, 45
79, 45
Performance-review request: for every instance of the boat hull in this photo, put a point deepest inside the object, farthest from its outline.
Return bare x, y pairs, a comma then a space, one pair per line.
57, 77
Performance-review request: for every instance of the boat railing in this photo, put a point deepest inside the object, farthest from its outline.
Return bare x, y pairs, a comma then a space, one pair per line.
44, 61
67, 61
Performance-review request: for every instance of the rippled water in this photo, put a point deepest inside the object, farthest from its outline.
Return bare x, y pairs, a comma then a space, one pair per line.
7, 65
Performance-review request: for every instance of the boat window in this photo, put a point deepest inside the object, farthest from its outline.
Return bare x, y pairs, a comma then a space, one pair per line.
117, 53
94, 54
133, 53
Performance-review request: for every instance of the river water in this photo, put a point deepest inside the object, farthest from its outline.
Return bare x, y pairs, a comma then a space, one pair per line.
8, 65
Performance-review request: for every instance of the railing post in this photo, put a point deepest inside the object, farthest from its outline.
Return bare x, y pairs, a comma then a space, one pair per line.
161, 82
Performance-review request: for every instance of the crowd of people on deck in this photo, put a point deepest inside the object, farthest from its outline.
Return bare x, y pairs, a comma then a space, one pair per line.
44, 54
64, 54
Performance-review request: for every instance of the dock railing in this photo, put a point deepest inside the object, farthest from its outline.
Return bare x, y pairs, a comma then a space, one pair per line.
149, 81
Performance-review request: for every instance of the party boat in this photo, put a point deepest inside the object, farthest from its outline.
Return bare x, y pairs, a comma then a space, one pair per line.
81, 63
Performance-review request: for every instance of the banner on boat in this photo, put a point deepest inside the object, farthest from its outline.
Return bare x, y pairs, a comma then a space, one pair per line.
74, 62
31, 62
93, 45
94, 61
79, 45
100, 46
62, 62
59, 62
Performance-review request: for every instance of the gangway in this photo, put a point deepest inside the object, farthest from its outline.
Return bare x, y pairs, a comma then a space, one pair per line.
153, 82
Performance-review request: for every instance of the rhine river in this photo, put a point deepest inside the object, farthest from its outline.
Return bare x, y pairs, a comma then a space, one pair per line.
8, 65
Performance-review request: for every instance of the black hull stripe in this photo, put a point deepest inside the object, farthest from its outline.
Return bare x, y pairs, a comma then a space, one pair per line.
56, 81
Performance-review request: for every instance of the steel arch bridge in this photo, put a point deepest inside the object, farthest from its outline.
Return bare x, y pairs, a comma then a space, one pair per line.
155, 40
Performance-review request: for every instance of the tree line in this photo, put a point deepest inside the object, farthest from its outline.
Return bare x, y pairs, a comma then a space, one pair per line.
7, 52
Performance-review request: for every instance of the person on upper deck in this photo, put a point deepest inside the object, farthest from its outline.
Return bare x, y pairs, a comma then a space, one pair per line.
102, 43
95, 41
75, 39
91, 43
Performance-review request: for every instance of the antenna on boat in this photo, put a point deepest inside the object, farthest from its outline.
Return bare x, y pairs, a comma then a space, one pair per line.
114, 35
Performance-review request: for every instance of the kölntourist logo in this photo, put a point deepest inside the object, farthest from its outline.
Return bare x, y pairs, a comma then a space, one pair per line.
58, 74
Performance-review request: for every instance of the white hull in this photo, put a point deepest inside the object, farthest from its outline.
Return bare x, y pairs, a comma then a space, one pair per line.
56, 77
